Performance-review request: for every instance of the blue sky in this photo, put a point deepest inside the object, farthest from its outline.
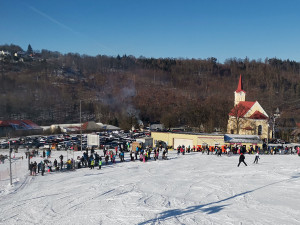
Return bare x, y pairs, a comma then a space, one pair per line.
156, 28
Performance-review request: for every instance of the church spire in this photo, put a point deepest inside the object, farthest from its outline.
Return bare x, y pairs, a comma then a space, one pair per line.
240, 85
239, 94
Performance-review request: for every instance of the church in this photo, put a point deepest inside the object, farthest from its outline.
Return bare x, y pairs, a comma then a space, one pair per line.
247, 118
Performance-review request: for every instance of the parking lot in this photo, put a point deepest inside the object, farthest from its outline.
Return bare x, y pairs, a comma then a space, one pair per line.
60, 142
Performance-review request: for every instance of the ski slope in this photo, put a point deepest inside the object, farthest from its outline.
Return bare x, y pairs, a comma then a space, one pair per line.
186, 189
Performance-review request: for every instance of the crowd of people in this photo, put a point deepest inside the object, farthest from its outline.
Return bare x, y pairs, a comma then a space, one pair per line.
93, 159
90, 158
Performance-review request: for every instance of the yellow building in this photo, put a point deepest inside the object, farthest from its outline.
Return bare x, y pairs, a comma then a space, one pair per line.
187, 139
247, 118
205, 140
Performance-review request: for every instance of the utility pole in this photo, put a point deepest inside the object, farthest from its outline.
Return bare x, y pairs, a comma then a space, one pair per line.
275, 116
80, 127
10, 173
28, 155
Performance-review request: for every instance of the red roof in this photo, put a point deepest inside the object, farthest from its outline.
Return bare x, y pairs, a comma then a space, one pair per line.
19, 124
3, 123
84, 126
241, 109
240, 85
258, 116
32, 124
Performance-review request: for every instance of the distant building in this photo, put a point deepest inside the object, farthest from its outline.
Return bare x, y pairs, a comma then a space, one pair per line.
18, 128
4, 55
87, 126
247, 118
157, 127
175, 139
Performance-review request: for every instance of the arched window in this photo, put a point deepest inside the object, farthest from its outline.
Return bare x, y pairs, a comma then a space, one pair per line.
259, 130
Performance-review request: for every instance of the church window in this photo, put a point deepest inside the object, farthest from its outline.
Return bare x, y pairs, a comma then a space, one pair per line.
259, 130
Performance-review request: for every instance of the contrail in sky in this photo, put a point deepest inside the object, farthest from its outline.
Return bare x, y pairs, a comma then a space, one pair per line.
52, 19
67, 28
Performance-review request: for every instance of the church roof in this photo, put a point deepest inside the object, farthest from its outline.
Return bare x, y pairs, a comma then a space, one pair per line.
258, 116
240, 86
241, 109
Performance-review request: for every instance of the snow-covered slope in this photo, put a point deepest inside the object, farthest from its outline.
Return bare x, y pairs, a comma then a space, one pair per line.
189, 189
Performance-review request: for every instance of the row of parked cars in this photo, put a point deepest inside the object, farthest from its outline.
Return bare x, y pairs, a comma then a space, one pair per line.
69, 141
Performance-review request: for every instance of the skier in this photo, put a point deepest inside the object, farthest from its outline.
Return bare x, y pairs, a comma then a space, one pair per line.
31, 168
39, 166
164, 154
157, 153
61, 161
92, 163
114, 158
131, 156
144, 156
106, 159
256, 158
55, 164
42, 168
123, 156
141, 157
227, 150
100, 163
241, 159
34, 167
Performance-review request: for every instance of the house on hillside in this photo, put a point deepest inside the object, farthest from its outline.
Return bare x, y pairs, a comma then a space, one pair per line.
4, 55
247, 118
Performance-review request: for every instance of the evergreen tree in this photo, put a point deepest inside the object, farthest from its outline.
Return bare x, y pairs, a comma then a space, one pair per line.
29, 50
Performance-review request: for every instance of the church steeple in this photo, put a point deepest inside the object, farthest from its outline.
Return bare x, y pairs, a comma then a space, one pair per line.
240, 85
239, 94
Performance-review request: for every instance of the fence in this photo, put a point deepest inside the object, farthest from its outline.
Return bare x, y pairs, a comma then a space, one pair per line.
18, 167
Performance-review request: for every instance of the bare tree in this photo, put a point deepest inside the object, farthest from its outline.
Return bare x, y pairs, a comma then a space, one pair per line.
237, 117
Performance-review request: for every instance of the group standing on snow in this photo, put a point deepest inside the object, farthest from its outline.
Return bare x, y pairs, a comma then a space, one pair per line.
94, 160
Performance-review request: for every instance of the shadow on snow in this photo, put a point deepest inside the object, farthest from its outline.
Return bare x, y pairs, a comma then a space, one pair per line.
209, 208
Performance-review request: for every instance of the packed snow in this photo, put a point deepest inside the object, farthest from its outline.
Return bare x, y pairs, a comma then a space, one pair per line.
185, 189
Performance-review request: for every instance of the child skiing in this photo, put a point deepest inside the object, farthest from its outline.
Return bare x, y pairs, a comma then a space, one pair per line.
100, 163
256, 158
92, 164
241, 159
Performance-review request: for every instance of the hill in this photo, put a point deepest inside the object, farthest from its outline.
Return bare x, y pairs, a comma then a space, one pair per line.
47, 87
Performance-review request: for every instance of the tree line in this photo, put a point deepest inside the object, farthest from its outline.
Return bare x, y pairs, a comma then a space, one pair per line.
121, 90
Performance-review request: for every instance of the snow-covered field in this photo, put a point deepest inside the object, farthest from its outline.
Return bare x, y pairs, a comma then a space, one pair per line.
189, 189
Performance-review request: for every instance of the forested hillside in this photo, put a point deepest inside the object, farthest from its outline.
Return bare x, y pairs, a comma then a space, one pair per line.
47, 87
